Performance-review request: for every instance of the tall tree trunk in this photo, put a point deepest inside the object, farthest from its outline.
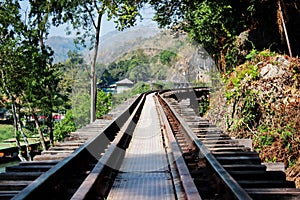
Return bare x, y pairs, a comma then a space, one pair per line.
50, 128
16, 129
20, 125
93, 74
37, 125
41, 33
49, 115
282, 27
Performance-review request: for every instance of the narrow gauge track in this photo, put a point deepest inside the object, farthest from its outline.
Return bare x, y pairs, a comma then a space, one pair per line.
93, 171
206, 162
220, 166
60, 177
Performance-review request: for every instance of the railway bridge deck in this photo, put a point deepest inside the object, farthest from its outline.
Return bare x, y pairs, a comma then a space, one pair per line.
154, 146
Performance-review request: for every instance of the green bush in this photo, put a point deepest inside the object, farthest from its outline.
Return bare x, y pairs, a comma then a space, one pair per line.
103, 104
166, 56
63, 128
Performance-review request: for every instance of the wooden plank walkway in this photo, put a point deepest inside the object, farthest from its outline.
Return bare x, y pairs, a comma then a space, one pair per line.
63, 149
144, 173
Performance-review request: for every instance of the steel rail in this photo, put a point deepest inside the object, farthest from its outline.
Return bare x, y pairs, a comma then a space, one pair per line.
43, 185
190, 191
234, 188
112, 158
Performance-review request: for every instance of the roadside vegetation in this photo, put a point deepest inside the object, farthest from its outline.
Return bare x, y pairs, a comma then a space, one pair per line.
262, 103
258, 66
260, 100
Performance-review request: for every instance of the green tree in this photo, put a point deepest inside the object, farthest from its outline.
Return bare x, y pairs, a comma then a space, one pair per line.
36, 90
166, 56
74, 84
158, 71
87, 15
211, 23
103, 104
63, 128
217, 25
12, 62
27, 75
42, 93
139, 73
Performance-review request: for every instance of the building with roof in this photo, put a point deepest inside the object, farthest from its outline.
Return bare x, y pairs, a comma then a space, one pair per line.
123, 85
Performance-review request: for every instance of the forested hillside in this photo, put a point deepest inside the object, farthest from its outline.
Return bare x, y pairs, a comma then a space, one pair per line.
230, 29
162, 57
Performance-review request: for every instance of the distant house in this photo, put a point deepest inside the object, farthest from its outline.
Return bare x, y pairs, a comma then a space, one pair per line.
123, 85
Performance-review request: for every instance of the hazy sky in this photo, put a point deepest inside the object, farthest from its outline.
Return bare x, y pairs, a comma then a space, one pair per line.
106, 26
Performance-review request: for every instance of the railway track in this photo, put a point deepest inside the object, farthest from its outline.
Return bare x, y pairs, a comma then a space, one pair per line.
221, 167
177, 156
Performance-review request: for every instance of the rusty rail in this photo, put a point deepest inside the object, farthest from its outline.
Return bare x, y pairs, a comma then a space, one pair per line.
237, 192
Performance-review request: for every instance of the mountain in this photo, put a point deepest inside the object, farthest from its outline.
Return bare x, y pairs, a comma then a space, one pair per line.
192, 62
110, 43
115, 44
61, 46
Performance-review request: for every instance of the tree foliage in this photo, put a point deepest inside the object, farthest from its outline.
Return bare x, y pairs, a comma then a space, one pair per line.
217, 25
74, 75
103, 103
28, 78
74, 84
166, 56
17, 45
63, 128
138, 66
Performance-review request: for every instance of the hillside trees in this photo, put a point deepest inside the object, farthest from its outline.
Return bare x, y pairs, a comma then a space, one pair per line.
213, 24
138, 66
